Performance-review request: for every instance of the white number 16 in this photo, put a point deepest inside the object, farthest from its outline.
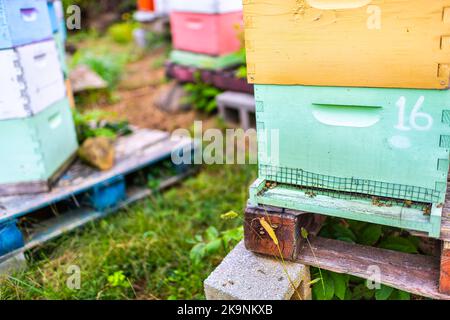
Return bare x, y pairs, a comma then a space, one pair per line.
413, 117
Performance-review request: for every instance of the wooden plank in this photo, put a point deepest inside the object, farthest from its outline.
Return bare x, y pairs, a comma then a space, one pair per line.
378, 43
416, 274
68, 221
287, 227
80, 178
444, 281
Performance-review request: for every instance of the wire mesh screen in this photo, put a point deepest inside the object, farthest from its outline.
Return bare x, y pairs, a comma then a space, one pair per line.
303, 178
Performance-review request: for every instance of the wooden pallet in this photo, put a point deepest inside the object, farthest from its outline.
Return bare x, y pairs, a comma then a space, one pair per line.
74, 202
422, 275
221, 79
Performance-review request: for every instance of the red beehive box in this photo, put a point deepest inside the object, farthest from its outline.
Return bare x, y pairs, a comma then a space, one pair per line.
146, 5
212, 34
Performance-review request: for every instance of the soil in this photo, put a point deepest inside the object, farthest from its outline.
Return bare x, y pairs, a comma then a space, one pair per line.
142, 83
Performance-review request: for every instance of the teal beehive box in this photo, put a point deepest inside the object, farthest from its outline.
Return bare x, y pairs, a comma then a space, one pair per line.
370, 154
23, 22
35, 149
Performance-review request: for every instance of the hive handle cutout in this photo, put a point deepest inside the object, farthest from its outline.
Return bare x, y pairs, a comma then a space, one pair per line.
29, 14
40, 59
55, 120
194, 24
346, 115
337, 4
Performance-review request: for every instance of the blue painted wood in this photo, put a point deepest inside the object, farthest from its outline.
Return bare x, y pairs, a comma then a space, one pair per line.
140, 150
23, 22
108, 194
53, 16
10, 237
86, 194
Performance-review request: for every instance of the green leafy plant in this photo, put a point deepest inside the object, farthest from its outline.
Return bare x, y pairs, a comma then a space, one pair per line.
344, 287
157, 40
122, 32
201, 95
109, 66
118, 279
214, 242
95, 124
241, 71
339, 286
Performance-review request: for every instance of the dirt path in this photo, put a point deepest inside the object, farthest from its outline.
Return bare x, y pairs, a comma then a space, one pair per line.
143, 81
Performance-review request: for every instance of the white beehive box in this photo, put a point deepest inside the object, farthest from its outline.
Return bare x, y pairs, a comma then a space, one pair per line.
162, 7
31, 79
206, 6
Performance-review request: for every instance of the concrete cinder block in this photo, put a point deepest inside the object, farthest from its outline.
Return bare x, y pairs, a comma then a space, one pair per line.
237, 107
13, 264
244, 275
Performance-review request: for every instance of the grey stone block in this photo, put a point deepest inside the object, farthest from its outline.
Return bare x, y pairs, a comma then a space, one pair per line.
243, 275
237, 108
13, 264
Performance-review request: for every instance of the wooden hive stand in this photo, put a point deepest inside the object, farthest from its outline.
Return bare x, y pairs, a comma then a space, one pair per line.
427, 276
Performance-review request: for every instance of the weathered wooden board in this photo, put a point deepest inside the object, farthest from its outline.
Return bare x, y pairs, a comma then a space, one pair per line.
416, 274
286, 223
444, 283
364, 43
133, 152
47, 230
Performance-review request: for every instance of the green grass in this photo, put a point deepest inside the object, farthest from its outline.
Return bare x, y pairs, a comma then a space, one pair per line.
150, 243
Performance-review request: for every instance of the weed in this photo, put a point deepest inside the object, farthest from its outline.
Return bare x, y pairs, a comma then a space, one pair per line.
96, 123
122, 32
201, 95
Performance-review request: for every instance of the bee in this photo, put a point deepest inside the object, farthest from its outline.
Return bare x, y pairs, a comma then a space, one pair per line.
408, 203
310, 194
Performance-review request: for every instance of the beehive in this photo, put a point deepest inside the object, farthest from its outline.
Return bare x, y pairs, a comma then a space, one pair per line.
362, 43
383, 142
56, 13
23, 22
146, 5
31, 79
53, 14
206, 6
34, 149
212, 34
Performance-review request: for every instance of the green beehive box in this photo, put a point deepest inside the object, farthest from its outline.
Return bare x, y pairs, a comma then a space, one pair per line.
35, 149
370, 154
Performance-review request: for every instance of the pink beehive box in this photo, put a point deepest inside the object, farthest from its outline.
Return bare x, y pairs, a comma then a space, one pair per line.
211, 34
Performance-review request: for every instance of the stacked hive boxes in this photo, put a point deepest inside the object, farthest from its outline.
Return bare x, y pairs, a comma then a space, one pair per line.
58, 24
37, 135
148, 9
205, 32
353, 111
159, 7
